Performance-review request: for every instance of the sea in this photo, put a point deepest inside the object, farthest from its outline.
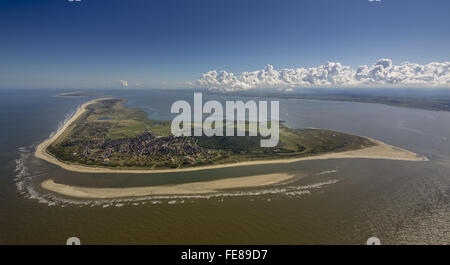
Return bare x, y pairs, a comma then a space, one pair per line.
335, 201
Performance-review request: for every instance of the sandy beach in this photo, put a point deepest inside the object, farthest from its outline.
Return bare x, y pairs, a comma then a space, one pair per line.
42, 147
179, 189
379, 151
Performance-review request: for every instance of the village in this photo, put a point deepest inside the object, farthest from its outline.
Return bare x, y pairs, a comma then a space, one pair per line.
146, 147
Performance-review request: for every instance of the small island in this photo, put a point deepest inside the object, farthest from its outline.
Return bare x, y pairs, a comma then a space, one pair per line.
76, 94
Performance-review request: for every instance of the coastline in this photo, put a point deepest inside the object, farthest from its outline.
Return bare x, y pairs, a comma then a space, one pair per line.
379, 151
203, 187
42, 147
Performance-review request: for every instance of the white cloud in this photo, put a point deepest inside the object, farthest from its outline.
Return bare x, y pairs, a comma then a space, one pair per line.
333, 74
123, 83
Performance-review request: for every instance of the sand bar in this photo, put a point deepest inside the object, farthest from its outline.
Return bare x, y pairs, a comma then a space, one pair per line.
179, 189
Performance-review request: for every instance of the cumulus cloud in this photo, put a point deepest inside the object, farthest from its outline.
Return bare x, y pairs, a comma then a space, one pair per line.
333, 74
123, 83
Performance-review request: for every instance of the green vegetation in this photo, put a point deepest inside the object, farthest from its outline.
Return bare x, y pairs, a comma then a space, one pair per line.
109, 134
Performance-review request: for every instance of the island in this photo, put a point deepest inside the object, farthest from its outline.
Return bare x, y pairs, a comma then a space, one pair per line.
433, 99
104, 136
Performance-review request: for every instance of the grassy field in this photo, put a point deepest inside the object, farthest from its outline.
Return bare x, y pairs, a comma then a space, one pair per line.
104, 134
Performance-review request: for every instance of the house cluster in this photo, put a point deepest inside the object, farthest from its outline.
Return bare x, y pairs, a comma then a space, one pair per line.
148, 145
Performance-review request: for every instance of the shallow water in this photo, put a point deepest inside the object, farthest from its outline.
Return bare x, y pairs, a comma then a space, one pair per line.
328, 202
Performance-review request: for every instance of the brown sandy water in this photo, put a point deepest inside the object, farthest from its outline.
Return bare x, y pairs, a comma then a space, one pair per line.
341, 201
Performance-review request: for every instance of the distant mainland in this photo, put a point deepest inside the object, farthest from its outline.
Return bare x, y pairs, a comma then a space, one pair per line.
104, 136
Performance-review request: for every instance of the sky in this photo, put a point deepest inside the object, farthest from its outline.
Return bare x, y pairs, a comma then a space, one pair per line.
158, 44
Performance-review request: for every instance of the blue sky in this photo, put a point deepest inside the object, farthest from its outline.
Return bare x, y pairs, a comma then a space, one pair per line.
96, 43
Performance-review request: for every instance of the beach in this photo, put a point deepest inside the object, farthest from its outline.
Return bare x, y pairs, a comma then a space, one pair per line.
179, 189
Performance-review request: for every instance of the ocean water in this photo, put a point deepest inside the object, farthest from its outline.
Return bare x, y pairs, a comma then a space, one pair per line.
341, 201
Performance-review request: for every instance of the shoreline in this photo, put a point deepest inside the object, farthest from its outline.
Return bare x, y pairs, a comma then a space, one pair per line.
203, 187
379, 151
41, 149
